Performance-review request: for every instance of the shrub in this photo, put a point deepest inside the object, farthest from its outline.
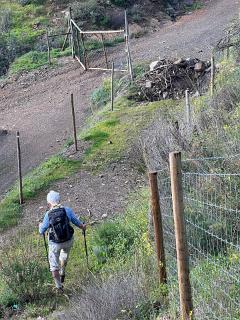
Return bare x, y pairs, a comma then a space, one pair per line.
5, 20
92, 12
101, 96
112, 239
25, 272
121, 3
4, 55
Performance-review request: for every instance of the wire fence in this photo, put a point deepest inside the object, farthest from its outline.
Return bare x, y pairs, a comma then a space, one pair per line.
211, 208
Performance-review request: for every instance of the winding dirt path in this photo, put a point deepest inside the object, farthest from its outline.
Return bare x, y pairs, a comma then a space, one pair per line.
37, 104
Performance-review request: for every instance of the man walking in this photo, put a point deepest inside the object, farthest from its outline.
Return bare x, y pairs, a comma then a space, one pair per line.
60, 235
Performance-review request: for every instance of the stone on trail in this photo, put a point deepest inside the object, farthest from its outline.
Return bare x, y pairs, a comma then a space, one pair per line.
199, 66
153, 65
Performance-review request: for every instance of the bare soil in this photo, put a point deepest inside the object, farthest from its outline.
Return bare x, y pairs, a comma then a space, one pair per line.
37, 104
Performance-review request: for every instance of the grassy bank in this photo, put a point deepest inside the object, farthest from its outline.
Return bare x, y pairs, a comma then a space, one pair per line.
120, 127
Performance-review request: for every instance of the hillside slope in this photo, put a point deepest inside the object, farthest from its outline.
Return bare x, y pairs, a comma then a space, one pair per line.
38, 104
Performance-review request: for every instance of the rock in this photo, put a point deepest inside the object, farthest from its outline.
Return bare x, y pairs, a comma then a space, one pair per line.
104, 216
165, 94
180, 62
148, 84
199, 66
110, 142
154, 65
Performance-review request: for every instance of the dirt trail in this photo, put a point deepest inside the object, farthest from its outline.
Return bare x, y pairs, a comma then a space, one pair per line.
38, 104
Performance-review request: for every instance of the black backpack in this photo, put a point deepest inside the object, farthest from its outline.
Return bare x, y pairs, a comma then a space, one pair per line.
60, 229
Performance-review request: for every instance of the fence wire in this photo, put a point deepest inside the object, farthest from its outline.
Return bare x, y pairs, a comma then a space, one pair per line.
212, 210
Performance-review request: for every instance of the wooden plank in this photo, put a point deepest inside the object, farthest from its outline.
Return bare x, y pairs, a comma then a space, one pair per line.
80, 62
74, 23
105, 69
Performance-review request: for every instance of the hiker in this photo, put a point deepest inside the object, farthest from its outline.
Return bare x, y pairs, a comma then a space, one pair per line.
60, 235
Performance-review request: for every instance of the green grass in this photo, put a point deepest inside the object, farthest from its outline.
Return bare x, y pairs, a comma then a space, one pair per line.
35, 59
29, 247
115, 131
39, 179
121, 127
23, 20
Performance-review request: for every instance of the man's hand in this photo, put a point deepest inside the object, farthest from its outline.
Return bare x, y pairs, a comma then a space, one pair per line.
83, 226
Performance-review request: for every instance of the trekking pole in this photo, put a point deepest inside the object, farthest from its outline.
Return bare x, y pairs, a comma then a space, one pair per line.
45, 243
85, 244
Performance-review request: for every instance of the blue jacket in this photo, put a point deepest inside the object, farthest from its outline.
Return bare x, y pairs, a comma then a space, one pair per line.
71, 216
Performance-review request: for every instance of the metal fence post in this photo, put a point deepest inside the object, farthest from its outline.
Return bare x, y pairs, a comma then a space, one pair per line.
180, 234
158, 229
19, 168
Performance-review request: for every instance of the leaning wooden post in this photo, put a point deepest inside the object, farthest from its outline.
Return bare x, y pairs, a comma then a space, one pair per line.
212, 84
129, 58
66, 38
84, 51
74, 122
19, 168
104, 50
112, 87
158, 228
188, 108
180, 235
49, 51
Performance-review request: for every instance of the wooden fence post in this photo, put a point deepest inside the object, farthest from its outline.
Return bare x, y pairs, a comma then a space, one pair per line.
112, 87
74, 123
212, 83
188, 108
228, 41
19, 168
180, 234
158, 228
48, 45
129, 58
71, 30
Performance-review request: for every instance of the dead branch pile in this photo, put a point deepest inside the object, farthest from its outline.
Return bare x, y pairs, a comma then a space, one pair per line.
169, 79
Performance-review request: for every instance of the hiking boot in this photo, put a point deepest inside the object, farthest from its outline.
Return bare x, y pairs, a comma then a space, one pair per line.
62, 278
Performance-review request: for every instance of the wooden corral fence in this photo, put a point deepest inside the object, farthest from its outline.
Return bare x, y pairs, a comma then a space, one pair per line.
81, 43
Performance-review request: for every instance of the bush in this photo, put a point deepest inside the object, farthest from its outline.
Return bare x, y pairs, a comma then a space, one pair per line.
26, 2
92, 12
4, 56
5, 20
112, 239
